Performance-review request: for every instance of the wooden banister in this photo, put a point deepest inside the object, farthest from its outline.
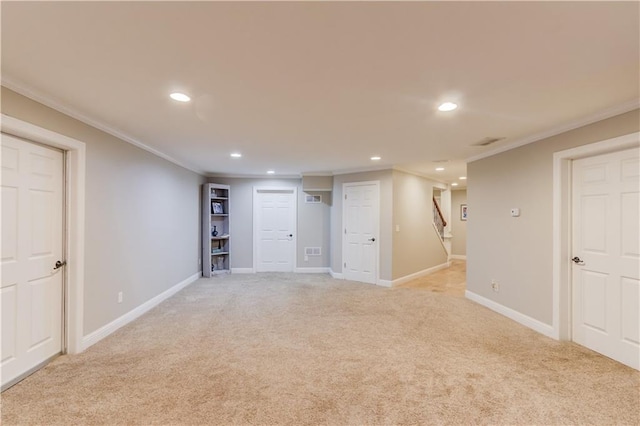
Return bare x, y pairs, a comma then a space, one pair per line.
435, 203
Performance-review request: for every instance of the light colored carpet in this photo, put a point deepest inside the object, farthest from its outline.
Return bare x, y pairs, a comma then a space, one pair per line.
273, 349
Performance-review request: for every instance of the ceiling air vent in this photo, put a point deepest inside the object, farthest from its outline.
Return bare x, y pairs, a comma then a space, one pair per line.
487, 141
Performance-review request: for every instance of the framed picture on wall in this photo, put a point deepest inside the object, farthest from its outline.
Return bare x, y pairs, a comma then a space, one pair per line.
463, 212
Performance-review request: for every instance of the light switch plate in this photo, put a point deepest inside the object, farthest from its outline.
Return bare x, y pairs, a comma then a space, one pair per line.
515, 212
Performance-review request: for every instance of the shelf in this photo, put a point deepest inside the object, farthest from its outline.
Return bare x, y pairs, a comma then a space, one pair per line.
220, 253
220, 214
219, 198
221, 237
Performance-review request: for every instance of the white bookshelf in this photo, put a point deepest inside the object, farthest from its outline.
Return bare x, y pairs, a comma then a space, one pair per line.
215, 217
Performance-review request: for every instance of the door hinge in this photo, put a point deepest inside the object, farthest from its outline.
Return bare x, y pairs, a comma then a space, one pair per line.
345, 264
345, 196
345, 231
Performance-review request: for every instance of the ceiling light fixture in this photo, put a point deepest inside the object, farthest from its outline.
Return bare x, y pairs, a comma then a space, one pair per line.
463, 178
271, 172
447, 106
454, 184
439, 169
236, 155
376, 158
180, 97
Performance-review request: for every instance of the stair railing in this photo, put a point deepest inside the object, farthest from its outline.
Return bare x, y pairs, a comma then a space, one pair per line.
438, 218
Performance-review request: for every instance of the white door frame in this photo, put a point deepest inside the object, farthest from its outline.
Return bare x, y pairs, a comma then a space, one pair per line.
74, 189
562, 167
344, 220
294, 191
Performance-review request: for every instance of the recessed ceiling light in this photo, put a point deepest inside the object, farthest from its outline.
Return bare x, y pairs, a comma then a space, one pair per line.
454, 184
270, 172
463, 178
376, 158
447, 106
236, 155
439, 169
180, 97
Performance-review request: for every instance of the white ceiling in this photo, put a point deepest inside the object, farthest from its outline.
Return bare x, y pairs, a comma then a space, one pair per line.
312, 87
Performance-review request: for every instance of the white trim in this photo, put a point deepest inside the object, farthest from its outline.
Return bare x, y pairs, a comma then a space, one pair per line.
562, 223
523, 319
584, 121
294, 191
74, 227
310, 270
407, 278
94, 337
61, 107
252, 176
345, 185
361, 170
243, 271
336, 275
458, 257
384, 283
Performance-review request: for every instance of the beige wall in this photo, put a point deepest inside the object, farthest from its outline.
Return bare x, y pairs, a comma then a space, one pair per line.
142, 216
458, 227
313, 221
517, 252
385, 238
416, 245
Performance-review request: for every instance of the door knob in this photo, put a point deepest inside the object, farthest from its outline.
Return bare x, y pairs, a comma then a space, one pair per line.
577, 261
372, 239
290, 235
59, 264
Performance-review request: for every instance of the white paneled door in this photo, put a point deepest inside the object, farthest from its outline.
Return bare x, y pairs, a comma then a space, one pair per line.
275, 226
606, 255
360, 217
31, 295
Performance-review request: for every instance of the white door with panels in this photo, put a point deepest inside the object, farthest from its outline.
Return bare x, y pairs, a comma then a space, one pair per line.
360, 235
606, 255
31, 295
275, 227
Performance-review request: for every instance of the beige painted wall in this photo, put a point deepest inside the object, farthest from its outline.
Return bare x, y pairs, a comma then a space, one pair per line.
416, 246
458, 227
386, 200
313, 221
142, 216
517, 252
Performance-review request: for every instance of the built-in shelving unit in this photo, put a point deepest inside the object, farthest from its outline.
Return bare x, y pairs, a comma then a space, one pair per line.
215, 229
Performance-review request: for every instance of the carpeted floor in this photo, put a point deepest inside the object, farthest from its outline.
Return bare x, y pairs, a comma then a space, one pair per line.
273, 349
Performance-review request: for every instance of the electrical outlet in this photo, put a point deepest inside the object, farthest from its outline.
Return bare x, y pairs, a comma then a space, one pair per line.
306, 258
199, 261
120, 297
495, 286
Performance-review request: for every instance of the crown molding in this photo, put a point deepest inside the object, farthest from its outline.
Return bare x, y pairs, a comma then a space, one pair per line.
51, 102
251, 176
361, 170
584, 121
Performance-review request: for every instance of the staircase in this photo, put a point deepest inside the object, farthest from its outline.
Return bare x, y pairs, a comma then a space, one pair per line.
440, 225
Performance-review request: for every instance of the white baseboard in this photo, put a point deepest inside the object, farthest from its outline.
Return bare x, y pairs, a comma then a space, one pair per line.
336, 275
385, 283
94, 337
243, 271
458, 257
318, 270
523, 319
418, 274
